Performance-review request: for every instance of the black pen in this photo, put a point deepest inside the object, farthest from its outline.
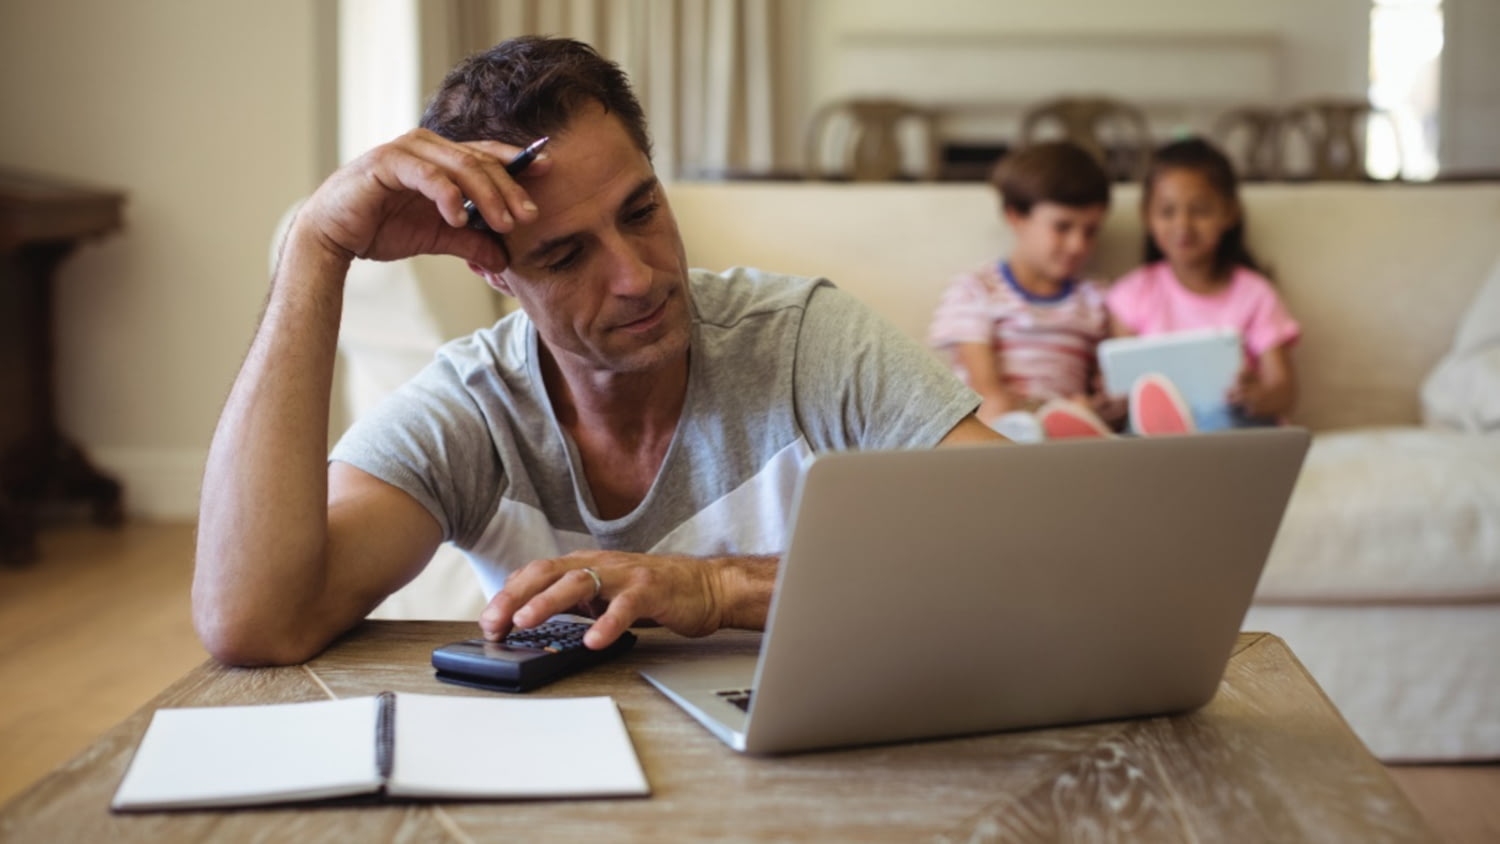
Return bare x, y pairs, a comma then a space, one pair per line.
516, 167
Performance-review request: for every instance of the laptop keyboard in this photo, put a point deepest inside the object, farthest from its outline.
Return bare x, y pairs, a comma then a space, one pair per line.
738, 697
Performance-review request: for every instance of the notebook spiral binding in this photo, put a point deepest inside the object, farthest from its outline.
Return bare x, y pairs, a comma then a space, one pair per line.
385, 734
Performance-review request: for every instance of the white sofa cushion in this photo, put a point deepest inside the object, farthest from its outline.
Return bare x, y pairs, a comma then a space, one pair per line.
1416, 683
1463, 391
1391, 515
1378, 275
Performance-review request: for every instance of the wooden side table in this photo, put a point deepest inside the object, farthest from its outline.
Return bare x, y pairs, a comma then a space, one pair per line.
42, 220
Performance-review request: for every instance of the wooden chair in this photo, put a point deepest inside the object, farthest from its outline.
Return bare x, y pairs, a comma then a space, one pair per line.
1114, 131
1251, 137
869, 136
1330, 134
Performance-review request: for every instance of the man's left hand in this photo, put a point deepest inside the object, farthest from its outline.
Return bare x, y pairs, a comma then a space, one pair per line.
692, 596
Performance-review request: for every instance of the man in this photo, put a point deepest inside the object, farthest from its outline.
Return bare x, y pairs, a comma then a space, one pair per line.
646, 419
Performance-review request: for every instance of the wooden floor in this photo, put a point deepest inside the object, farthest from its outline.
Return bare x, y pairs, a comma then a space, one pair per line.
100, 623
89, 632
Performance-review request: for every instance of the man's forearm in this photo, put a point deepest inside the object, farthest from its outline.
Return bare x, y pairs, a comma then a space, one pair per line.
262, 527
748, 583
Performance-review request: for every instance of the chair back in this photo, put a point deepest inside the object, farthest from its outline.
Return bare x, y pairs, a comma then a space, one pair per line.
1251, 137
1329, 136
1113, 131
870, 139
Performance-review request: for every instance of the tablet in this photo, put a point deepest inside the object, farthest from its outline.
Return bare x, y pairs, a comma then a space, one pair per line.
1202, 364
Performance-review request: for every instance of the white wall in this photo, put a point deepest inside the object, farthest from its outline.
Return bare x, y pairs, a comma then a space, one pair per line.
212, 117
1214, 53
1469, 137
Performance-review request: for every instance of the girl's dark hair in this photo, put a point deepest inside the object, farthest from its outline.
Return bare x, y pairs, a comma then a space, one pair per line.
1202, 156
527, 87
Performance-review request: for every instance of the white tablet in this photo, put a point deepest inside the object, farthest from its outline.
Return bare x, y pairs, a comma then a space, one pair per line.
1202, 364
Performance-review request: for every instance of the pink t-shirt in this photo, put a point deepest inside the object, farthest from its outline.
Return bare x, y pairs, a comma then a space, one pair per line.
1150, 300
1044, 347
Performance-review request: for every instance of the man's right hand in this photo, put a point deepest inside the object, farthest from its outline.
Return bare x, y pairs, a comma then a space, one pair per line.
406, 198
292, 552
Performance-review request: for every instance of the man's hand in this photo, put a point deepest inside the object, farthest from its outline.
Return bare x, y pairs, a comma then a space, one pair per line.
693, 596
406, 198
292, 552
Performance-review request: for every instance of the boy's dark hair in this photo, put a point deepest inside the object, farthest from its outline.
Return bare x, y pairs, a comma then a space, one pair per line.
1056, 171
1202, 156
527, 87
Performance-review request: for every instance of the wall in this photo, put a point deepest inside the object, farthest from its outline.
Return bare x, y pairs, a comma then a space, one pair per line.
1469, 135
213, 118
1210, 53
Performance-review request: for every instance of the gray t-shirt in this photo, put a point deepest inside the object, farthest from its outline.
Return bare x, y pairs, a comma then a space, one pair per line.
781, 368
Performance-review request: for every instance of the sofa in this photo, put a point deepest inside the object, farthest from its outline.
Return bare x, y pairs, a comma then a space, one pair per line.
1385, 576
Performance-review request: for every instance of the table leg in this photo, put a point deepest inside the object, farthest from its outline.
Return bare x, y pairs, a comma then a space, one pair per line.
40, 469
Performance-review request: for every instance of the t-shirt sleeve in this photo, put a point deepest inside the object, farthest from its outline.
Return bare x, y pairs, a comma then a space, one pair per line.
859, 383
430, 440
1270, 323
962, 315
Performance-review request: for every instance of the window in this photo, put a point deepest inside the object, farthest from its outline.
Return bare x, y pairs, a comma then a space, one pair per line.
1406, 46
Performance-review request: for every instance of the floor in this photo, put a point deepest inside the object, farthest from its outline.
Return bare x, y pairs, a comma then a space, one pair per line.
100, 623
88, 633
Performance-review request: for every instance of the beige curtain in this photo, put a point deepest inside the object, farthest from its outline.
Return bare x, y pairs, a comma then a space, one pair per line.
705, 70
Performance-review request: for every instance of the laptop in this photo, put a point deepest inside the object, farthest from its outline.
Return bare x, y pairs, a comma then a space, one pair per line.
975, 589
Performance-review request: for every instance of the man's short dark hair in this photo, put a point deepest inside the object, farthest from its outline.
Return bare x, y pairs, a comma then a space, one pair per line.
1056, 171
527, 87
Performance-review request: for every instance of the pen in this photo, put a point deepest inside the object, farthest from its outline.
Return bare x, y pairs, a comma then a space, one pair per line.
516, 166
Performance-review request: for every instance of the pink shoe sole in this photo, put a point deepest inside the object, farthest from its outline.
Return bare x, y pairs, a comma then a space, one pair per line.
1062, 419
1157, 408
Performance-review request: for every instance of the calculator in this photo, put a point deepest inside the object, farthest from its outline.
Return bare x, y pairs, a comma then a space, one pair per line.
526, 659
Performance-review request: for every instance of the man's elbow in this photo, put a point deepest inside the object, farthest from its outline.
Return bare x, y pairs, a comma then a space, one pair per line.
245, 643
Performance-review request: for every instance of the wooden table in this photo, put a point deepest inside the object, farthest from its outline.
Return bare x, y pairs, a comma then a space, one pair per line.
42, 220
1269, 759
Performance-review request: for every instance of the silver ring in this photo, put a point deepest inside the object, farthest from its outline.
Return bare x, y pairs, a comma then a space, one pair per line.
598, 584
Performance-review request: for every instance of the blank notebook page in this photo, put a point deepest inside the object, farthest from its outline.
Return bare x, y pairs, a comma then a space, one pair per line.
517, 747
229, 755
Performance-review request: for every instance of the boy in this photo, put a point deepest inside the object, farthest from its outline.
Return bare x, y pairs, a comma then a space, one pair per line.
1022, 331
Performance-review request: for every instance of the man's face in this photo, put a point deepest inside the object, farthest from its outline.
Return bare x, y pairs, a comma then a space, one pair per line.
602, 272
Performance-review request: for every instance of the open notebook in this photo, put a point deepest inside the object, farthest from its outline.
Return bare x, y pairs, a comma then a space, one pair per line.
401, 745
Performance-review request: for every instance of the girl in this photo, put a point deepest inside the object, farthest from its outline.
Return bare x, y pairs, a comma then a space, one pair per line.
1199, 274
